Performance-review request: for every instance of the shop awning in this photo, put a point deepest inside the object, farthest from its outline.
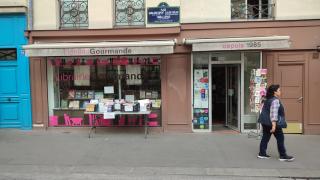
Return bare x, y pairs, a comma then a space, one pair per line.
246, 43
100, 48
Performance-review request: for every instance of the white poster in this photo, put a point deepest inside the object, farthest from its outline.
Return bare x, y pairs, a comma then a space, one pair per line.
129, 98
133, 75
201, 88
81, 75
108, 115
108, 90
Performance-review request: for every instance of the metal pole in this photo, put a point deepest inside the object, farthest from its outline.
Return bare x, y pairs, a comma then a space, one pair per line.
119, 82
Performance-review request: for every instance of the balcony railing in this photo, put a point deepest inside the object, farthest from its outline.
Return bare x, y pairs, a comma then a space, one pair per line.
73, 14
257, 11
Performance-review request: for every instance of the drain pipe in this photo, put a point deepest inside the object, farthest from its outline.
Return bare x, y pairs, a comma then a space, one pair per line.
30, 15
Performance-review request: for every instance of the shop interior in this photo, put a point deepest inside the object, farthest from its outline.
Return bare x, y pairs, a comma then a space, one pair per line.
225, 88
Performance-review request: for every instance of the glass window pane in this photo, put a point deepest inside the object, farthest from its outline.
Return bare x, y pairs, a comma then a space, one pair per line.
76, 81
226, 56
8, 54
254, 9
129, 13
73, 14
238, 9
251, 61
200, 91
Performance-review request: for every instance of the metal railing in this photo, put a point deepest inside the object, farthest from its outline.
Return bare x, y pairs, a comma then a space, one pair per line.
257, 11
73, 14
129, 12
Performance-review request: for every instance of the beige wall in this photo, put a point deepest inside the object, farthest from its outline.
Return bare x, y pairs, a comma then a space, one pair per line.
155, 3
45, 14
13, 3
297, 9
100, 14
13, 6
193, 11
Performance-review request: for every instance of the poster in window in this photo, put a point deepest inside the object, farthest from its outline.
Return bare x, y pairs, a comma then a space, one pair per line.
71, 94
258, 84
81, 75
201, 88
108, 89
142, 94
133, 75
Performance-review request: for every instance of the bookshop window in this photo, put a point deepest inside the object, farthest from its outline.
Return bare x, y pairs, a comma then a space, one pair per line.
75, 82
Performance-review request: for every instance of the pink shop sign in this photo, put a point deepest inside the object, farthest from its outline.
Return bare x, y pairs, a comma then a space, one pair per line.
241, 45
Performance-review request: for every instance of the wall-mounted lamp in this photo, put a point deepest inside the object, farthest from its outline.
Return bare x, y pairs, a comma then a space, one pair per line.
318, 48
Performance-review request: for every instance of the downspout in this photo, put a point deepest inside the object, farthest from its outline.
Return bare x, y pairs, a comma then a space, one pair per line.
30, 15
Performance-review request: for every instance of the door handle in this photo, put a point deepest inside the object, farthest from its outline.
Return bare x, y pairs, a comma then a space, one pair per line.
300, 99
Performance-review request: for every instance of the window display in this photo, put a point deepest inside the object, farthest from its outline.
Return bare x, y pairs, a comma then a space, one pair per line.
200, 92
103, 84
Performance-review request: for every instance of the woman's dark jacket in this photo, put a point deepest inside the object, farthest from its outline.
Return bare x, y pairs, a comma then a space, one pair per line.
264, 117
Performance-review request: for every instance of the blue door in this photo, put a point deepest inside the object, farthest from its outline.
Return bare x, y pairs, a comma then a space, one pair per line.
15, 103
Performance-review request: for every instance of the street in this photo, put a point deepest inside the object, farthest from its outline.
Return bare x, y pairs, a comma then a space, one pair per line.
125, 154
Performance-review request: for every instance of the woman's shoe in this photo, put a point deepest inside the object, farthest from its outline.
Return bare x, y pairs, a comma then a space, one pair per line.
266, 156
286, 158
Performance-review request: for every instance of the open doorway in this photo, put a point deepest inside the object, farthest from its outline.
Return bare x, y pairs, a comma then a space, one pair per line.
225, 96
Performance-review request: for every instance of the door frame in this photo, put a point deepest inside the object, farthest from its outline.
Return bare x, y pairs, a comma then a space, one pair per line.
304, 101
240, 64
241, 112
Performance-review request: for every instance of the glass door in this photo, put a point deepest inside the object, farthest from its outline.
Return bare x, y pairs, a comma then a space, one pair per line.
232, 96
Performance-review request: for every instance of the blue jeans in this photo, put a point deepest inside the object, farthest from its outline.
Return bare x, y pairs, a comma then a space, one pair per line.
278, 134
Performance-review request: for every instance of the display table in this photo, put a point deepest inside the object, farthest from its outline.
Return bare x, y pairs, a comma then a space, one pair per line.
93, 116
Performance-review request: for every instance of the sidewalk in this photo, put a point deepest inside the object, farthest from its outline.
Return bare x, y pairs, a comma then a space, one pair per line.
69, 154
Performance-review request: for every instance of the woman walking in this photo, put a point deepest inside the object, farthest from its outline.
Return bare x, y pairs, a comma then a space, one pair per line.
272, 111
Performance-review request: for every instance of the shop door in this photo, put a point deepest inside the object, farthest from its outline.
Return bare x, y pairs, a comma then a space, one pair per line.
291, 82
232, 96
15, 107
9, 100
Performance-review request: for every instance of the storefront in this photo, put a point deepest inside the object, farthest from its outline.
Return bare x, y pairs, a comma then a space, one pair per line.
81, 73
221, 72
204, 74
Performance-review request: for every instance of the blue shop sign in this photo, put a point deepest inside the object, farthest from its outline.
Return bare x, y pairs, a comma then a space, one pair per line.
163, 14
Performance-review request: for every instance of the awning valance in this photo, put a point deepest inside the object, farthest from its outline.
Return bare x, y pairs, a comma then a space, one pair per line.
246, 43
100, 48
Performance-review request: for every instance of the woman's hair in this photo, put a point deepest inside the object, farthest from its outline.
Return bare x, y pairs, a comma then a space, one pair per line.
271, 89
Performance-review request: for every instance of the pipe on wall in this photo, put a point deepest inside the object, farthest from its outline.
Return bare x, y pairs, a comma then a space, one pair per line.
30, 14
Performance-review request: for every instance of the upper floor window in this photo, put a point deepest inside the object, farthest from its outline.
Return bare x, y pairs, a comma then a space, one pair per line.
73, 13
129, 12
251, 9
8, 54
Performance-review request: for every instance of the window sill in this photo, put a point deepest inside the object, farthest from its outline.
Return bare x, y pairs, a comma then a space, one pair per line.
128, 27
72, 28
240, 20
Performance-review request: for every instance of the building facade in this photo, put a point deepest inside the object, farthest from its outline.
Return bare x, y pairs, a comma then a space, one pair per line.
15, 99
193, 59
